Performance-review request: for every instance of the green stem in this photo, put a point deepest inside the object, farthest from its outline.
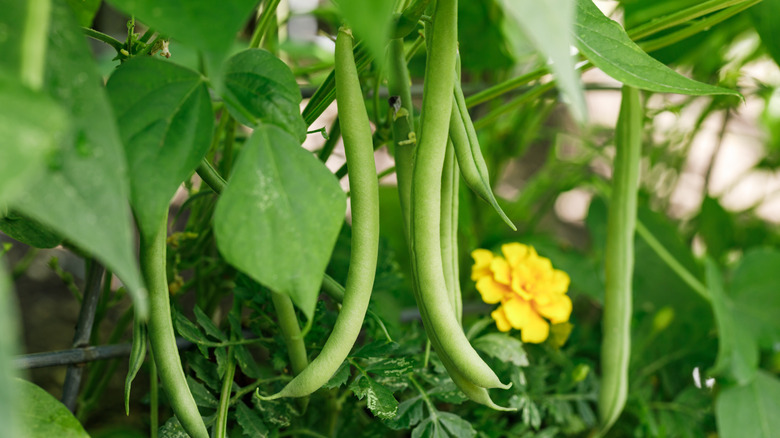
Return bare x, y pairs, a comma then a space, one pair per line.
256, 384
263, 23
330, 143
226, 162
291, 331
100, 36
33, 43
681, 17
673, 264
504, 87
220, 427
154, 400
210, 176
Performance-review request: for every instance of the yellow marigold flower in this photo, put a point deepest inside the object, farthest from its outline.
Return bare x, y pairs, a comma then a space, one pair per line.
530, 291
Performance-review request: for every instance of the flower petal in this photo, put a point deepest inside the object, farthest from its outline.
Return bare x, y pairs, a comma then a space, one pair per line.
482, 259
500, 269
491, 291
501, 322
557, 310
560, 282
518, 311
515, 252
536, 330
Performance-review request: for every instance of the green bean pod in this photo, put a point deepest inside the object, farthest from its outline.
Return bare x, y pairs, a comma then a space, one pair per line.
619, 259
449, 230
470, 159
426, 201
364, 188
137, 356
161, 334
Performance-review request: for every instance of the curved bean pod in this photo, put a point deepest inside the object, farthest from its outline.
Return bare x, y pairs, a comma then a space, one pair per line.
364, 188
161, 335
619, 256
426, 201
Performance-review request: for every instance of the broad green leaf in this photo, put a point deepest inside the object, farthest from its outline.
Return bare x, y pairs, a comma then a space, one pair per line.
737, 351
85, 10
251, 424
755, 295
260, 87
165, 122
379, 399
32, 126
609, 48
371, 22
280, 215
503, 347
28, 231
205, 25
548, 25
9, 405
43, 416
750, 410
12, 22
137, 356
82, 195
716, 227
764, 17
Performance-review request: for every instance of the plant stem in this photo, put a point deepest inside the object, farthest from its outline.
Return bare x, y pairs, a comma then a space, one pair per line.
220, 427
684, 274
681, 17
154, 400
263, 23
33, 43
100, 36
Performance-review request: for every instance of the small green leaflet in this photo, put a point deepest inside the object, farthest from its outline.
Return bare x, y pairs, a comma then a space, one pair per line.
379, 399
608, 47
251, 424
279, 216
444, 425
260, 87
165, 121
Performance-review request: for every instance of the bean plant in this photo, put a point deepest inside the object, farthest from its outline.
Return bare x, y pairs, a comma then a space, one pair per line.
267, 287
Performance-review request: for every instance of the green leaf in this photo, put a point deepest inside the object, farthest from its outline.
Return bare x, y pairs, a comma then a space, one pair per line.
379, 399
764, 18
137, 356
189, 331
202, 24
246, 362
750, 410
172, 429
609, 48
43, 416
261, 87
32, 125
371, 22
390, 366
208, 325
410, 412
280, 215
251, 424
737, 350
9, 401
165, 122
340, 377
548, 25
12, 21
503, 347
755, 295
85, 10
82, 195
29, 231
202, 396
456, 426
716, 227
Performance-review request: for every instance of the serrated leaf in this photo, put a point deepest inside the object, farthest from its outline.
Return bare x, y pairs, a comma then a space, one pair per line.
456, 426
172, 429
137, 356
186, 20
605, 43
548, 25
203, 397
390, 367
379, 399
379, 348
189, 331
251, 424
737, 350
32, 126
750, 410
340, 377
208, 325
165, 122
82, 195
278, 413
410, 412
278, 218
43, 416
205, 370
503, 347
261, 87
246, 362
